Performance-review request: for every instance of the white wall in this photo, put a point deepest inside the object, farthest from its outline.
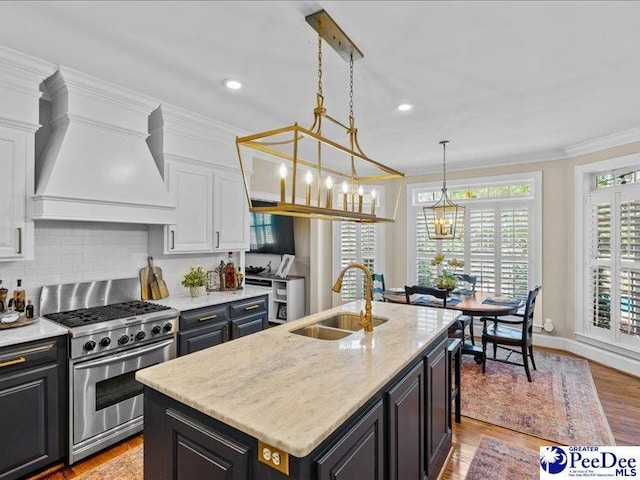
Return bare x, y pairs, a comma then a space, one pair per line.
69, 252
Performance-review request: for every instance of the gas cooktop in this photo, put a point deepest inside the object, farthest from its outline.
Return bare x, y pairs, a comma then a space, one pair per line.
89, 316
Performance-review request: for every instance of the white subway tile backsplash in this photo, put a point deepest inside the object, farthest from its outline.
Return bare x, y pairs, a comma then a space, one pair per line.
69, 252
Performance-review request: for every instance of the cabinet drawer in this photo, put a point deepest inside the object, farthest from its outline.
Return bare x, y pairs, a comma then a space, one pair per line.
29, 355
248, 307
204, 337
200, 316
246, 326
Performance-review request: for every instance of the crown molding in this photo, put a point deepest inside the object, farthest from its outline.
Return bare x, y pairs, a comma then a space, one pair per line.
66, 79
26, 66
602, 143
544, 156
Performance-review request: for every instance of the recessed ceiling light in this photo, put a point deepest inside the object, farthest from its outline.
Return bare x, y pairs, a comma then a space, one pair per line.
405, 107
232, 84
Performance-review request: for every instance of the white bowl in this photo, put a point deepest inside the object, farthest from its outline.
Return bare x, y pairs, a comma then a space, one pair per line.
10, 318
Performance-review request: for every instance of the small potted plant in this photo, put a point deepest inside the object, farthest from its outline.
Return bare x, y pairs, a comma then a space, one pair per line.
196, 280
446, 279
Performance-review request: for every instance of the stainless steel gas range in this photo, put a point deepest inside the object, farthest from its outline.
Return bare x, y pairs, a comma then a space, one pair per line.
112, 334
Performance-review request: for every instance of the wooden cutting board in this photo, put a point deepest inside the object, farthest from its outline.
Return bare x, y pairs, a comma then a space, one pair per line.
146, 278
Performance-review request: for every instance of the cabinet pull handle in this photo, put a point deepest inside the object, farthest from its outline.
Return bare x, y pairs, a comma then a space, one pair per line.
217, 239
15, 361
252, 307
19, 240
208, 317
173, 239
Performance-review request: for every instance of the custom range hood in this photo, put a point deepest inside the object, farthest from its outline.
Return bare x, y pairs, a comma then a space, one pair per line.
95, 164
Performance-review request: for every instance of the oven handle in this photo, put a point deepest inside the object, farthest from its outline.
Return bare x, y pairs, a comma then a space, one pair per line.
128, 354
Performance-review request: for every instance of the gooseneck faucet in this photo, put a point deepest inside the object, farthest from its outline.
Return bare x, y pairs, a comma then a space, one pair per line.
365, 318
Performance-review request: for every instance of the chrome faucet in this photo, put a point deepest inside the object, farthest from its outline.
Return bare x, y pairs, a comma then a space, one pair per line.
365, 317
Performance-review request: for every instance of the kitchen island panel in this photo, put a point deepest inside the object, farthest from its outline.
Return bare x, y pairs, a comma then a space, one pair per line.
319, 384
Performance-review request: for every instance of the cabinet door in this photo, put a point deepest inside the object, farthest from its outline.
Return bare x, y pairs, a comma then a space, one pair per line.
13, 147
201, 338
29, 421
359, 454
231, 212
405, 413
191, 187
200, 452
241, 327
437, 409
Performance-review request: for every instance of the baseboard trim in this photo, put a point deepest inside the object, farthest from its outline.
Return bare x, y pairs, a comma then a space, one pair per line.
609, 359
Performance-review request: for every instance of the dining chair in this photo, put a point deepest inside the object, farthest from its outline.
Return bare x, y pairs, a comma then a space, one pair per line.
377, 287
467, 320
511, 331
423, 290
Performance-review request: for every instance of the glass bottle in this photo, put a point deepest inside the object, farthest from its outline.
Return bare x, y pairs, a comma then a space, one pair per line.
29, 310
230, 274
19, 297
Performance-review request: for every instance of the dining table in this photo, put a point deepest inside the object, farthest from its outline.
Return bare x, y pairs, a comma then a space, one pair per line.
472, 304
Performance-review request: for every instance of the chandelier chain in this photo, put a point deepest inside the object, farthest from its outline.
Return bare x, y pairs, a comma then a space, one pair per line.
351, 86
320, 58
444, 165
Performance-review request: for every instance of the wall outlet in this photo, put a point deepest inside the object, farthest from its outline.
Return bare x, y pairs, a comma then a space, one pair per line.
274, 457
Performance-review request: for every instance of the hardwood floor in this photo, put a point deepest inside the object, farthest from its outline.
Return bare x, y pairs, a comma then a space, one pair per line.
619, 394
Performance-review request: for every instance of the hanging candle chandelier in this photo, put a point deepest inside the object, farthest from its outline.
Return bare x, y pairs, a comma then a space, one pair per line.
442, 218
317, 175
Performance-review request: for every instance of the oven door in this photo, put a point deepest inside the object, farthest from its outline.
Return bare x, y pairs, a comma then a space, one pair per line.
105, 391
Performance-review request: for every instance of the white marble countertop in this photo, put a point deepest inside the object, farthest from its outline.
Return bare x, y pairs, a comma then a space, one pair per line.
39, 330
292, 391
184, 301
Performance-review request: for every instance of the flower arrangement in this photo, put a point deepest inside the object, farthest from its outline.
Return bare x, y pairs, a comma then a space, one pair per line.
195, 277
446, 279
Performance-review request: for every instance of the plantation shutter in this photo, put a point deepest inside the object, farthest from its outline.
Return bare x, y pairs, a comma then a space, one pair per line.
629, 215
358, 244
599, 290
425, 250
514, 252
482, 248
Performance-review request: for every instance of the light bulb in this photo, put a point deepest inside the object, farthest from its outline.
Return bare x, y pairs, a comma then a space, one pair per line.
373, 194
329, 183
360, 190
283, 171
345, 187
308, 177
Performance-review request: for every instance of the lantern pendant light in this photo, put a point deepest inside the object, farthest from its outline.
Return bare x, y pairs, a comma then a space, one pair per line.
442, 218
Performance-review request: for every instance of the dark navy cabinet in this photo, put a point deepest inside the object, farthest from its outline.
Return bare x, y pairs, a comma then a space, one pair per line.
210, 326
33, 384
401, 433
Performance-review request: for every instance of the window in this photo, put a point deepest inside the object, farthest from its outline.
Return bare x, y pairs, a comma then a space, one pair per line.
500, 236
358, 242
608, 255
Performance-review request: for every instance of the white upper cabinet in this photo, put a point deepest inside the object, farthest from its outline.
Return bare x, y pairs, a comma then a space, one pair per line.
195, 157
20, 77
230, 212
191, 186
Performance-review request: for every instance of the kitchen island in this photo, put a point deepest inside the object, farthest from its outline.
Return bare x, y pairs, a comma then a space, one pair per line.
277, 401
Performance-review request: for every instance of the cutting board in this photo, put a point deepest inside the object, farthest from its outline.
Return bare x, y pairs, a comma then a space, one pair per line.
146, 277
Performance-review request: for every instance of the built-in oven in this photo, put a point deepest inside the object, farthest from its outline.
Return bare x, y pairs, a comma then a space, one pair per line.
106, 399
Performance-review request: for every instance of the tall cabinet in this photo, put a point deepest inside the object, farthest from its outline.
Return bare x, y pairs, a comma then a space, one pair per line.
195, 157
20, 77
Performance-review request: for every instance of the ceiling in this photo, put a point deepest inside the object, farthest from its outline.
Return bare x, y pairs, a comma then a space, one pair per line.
504, 81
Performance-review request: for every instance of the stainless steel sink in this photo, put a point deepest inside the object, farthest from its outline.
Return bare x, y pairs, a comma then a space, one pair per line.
323, 333
336, 327
348, 321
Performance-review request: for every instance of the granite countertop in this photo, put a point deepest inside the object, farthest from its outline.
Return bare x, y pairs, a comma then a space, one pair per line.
184, 301
292, 391
38, 330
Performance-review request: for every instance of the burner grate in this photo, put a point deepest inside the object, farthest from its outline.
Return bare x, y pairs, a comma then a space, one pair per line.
88, 316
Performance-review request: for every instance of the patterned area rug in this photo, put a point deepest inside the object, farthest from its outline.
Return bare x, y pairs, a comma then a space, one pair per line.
127, 466
560, 405
496, 459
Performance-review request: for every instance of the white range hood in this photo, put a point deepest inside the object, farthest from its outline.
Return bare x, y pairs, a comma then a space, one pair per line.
96, 165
